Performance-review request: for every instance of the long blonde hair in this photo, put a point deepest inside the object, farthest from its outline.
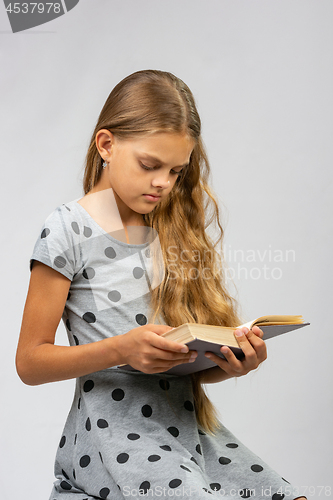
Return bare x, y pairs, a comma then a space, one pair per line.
193, 289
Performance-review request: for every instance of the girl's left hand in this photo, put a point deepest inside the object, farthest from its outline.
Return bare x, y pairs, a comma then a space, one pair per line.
253, 347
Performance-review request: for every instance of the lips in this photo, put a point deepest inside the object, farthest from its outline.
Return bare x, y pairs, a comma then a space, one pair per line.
152, 197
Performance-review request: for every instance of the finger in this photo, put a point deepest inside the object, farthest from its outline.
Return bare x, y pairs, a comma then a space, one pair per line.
258, 345
168, 356
254, 354
243, 342
222, 363
256, 330
230, 364
168, 345
162, 365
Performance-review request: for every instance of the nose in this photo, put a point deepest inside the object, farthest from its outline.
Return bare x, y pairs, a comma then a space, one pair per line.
161, 182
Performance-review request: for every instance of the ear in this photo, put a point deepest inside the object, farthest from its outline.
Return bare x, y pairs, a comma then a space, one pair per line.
104, 140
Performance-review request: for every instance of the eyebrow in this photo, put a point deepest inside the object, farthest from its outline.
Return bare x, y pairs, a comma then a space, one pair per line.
157, 160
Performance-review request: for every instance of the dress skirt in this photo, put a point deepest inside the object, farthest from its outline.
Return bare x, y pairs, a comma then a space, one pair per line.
131, 435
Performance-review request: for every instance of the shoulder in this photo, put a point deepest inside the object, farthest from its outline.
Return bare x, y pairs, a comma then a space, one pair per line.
58, 241
67, 218
65, 211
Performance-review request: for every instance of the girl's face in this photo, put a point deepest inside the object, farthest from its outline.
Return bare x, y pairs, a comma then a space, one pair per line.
142, 171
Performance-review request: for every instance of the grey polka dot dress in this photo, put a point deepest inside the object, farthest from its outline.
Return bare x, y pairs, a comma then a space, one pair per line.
130, 434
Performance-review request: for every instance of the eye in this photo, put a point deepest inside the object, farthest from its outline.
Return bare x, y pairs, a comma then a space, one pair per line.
176, 173
145, 166
142, 165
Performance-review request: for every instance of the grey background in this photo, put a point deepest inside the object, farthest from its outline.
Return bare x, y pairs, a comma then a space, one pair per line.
261, 72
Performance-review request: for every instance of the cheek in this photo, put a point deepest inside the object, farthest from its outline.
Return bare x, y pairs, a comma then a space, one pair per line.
173, 181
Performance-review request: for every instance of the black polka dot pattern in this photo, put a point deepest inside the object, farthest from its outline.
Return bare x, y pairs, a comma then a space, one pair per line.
110, 253
144, 487
147, 411
89, 317
65, 486
256, 468
114, 296
246, 493
133, 428
75, 227
174, 483
122, 458
138, 272
102, 424
64, 474
88, 385
87, 232
84, 461
45, 232
118, 394
59, 262
164, 384
88, 273
188, 405
141, 319
133, 437
103, 493
174, 431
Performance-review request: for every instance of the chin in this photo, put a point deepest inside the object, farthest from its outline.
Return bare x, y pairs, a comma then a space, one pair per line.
147, 211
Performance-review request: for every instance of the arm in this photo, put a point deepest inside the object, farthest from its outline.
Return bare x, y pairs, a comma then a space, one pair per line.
39, 361
255, 352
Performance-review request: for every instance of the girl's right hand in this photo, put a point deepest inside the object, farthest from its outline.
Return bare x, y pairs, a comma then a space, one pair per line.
144, 349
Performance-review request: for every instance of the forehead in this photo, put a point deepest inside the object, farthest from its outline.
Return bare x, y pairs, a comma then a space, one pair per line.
167, 148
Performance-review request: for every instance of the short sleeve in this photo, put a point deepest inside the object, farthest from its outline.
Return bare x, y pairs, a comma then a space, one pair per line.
56, 246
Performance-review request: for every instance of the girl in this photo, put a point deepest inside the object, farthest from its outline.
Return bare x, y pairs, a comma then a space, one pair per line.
144, 432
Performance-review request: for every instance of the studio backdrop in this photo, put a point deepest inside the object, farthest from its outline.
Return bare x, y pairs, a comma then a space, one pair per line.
261, 73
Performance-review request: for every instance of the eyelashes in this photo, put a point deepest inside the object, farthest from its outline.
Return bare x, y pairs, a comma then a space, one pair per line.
153, 168
145, 167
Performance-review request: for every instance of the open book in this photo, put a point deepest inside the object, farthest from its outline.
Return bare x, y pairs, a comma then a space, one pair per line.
204, 338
